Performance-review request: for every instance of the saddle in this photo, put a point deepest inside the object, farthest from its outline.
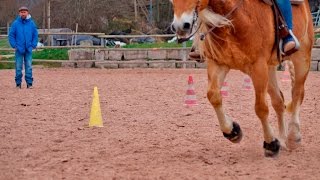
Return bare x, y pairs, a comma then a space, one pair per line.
282, 29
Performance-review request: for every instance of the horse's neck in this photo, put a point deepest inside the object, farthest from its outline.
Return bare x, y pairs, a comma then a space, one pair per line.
251, 20
241, 12
222, 7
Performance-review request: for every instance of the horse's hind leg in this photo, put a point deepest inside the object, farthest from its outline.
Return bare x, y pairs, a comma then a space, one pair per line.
277, 101
260, 82
301, 68
216, 76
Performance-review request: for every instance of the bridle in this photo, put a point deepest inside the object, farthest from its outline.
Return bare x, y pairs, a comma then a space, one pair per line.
194, 24
197, 26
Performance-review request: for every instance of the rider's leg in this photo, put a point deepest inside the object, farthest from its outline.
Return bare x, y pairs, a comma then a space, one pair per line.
289, 42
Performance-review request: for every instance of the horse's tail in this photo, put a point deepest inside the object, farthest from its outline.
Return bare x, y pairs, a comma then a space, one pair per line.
292, 76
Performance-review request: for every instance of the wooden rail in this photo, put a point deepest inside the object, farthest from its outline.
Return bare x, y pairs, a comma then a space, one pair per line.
65, 33
137, 36
102, 36
106, 61
99, 47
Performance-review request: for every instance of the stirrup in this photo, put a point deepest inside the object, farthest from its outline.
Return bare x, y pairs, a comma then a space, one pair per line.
293, 50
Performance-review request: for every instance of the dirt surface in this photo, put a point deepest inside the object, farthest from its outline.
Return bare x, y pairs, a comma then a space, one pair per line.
147, 133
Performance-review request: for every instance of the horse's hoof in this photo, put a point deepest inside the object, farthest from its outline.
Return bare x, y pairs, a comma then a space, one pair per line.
236, 134
294, 138
294, 143
283, 144
272, 149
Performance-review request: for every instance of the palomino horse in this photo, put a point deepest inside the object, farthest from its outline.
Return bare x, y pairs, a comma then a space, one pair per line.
240, 34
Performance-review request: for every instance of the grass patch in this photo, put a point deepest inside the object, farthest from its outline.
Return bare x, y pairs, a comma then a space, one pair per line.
44, 64
7, 59
51, 54
48, 64
6, 65
4, 43
157, 45
6, 52
46, 54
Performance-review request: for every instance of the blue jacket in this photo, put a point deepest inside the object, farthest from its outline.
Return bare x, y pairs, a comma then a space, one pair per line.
23, 35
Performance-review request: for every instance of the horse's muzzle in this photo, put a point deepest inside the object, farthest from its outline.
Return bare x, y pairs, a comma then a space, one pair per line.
181, 30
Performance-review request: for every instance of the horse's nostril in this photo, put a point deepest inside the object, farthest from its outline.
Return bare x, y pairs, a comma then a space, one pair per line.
173, 29
186, 26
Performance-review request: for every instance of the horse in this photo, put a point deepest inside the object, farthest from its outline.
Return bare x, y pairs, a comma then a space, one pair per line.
240, 35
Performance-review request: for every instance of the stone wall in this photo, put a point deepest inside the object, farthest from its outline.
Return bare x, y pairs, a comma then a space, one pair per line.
131, 58
315, 60
145, 58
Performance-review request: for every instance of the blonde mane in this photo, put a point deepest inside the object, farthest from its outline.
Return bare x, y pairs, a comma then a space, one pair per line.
208, 19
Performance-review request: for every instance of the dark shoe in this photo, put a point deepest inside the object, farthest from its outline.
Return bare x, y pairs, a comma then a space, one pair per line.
29, 86
18, 86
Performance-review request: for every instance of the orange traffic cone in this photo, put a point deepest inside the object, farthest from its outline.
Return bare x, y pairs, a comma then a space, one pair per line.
286, 74
247, 84
224, 91
190, 99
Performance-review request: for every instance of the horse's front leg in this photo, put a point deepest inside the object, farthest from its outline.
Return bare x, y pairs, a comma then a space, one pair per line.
277, 101
216, 76
260, 81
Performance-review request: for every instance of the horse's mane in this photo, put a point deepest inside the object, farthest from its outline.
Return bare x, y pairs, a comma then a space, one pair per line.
208, 19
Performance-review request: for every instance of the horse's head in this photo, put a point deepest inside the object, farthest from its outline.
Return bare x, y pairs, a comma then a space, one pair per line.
185, 15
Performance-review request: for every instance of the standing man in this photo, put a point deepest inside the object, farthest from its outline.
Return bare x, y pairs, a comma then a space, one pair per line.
23, 37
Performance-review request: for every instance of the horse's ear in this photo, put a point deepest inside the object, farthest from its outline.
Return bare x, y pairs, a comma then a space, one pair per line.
203, 4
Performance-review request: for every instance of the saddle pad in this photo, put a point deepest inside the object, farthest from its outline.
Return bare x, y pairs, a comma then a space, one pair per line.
294, 2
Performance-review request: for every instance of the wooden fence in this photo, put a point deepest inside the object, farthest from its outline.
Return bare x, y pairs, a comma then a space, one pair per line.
102, 37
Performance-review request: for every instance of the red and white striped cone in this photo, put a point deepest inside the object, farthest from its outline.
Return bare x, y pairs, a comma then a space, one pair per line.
224, 91
190, 99
286, 74
247, 84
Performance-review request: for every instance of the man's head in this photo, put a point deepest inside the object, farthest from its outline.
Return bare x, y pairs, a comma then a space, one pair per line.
23, 12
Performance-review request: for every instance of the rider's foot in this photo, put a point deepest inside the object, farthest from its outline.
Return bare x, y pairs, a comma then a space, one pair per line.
290, 44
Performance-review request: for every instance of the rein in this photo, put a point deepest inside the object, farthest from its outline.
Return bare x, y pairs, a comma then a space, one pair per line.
203, 35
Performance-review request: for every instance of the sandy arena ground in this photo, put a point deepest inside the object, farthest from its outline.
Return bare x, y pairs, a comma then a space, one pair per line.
147, 133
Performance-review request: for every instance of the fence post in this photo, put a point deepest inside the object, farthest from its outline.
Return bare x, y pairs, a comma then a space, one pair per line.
135, 10
151, 12
8, 28
184, 56
75, 37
